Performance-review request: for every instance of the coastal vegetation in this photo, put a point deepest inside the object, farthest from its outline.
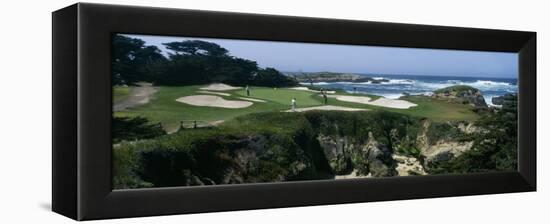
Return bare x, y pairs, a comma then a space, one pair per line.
274, 146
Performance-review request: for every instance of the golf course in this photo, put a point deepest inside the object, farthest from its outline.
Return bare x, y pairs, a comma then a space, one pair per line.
165, 108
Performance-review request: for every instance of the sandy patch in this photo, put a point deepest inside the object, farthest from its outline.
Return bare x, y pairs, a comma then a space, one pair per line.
391, 103
252, 99
219, 87
215, 93
303, 88
353, 99
327, 107
382, 102
213, 101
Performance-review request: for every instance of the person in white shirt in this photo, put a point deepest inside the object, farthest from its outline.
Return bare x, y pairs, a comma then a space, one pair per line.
293, 104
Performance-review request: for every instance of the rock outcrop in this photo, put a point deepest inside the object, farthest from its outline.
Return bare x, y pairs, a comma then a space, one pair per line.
369, 159
444, 151
461, 94
411, 155
408, 165
438, 150
505, 99
379, 158
338, 151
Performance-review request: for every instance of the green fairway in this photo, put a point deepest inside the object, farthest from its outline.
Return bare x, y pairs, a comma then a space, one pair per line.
164, 107
439, 110
282, 96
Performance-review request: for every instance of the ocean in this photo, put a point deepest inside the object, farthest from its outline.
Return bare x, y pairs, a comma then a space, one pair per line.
399, 85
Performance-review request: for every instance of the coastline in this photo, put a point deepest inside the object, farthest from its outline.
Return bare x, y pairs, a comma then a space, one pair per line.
398, 86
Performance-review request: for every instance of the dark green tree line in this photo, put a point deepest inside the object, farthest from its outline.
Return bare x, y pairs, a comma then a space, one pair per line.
191, 62
132, 61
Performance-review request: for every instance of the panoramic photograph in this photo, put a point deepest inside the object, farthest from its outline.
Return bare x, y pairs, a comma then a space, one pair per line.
191, 111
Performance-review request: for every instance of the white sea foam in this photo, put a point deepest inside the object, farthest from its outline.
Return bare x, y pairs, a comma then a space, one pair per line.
488, 99
363, 83
482, 85
396, 87
315, 83
389, 82
491, 83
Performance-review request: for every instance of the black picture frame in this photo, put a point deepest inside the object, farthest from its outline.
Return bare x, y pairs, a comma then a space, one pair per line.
82, 111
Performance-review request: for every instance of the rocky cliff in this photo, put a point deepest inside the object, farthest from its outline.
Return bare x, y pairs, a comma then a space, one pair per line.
508, 98
461, 94
412, 152
310, 146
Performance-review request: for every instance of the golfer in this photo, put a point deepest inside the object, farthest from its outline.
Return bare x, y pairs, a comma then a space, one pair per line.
293, 104
325, 97
247, 91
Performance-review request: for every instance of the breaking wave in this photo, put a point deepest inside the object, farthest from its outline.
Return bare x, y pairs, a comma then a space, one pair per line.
395, 87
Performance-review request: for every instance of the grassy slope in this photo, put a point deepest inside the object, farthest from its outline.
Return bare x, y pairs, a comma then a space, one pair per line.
164, 107
440, 110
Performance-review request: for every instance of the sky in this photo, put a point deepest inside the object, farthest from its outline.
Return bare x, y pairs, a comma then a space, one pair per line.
315, 57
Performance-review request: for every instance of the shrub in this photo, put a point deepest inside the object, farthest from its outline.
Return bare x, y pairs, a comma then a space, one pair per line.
442, 131
133, 128
250, 149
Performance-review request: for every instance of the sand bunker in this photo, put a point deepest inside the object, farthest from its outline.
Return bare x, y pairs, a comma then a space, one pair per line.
353, 99
213, 101
303, 88
382, 102
219, 87
252, 99
327, 107
391, 103
215, 93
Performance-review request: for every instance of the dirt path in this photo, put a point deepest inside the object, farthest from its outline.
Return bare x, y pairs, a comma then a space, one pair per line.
138, 95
